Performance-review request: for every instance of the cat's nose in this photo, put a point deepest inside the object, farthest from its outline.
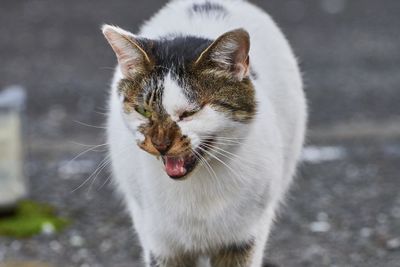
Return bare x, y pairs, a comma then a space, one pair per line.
161, 145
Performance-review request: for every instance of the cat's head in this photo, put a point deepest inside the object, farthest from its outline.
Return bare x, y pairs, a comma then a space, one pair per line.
186, 99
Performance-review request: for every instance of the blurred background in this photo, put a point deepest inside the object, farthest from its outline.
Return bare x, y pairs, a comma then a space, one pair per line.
344, 208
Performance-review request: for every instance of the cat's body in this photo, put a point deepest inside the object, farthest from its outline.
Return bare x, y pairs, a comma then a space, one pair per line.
227, 210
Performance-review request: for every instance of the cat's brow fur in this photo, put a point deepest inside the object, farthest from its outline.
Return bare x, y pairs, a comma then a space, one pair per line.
176, 56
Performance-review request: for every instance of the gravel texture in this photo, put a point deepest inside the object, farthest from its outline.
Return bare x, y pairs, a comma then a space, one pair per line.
343, 210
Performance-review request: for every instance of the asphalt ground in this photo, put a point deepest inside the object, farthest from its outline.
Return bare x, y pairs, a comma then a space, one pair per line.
344, 208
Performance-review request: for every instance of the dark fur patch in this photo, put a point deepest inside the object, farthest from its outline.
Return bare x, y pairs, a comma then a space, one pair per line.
242, 248
269, 264
236, 255
176, 55
153, 261
253, 74
208, 8
184, 260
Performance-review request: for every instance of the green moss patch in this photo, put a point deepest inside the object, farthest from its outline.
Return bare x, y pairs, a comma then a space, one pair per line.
31, 218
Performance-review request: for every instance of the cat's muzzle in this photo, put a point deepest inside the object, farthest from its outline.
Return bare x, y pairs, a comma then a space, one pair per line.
178, 167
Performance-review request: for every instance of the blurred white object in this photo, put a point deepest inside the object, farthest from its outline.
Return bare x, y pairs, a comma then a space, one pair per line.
319, 154
333, 6
12, 181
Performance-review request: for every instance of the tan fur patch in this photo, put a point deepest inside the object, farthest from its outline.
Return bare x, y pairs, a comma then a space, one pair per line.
235, 99
161, 130
207, 84
234, 256
184, 260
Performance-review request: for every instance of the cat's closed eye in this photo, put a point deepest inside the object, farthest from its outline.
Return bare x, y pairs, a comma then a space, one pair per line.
188, 113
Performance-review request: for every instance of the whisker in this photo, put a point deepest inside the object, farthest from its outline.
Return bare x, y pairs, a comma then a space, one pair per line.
110, 176
221, 161
99, 166
97, 127
222, 137
98, 172
86, 145
105, 182
82, 144
84, 152
89, 125
107, 68
221, 151
235, 173
207, 165
223, 142
104, 109
101, 113
103, 164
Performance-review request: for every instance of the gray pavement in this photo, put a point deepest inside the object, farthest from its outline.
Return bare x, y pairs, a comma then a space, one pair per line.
344, 209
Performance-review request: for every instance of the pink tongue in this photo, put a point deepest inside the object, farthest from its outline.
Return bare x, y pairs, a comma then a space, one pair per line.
174, 166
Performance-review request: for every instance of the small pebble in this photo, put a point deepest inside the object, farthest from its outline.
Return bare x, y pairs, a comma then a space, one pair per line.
333, 6
105, 245
55, 246
322, 216
1, 256
393, 244
396, 212
382, 218
83, 253
381, 253
320, 227
48, 228
16, 245
76, 241
312, 251
365, 232
355, 257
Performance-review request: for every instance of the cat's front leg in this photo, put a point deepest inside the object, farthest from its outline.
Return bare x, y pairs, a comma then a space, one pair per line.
237, 255
183, 260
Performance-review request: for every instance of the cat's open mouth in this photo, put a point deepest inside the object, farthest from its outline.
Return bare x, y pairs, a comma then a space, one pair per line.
180, 166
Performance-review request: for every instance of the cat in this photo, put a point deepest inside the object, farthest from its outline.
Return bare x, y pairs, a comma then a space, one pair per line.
206, 123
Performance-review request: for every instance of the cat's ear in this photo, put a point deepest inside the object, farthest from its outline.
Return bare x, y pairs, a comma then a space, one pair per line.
228, 53
132, 58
